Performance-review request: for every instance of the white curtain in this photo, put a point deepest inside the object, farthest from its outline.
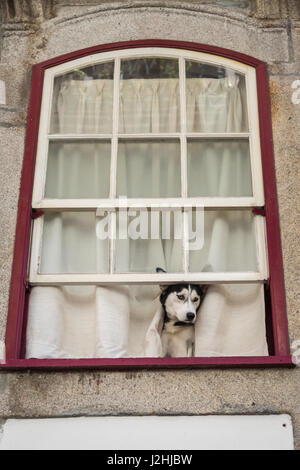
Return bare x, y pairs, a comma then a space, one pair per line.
125, 321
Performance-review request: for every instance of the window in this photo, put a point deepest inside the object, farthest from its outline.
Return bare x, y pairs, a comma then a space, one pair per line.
163, 137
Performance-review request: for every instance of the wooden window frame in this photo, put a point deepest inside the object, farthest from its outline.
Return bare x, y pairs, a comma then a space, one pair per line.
274, 286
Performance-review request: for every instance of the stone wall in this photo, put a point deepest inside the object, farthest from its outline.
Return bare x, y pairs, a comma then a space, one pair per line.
35, 30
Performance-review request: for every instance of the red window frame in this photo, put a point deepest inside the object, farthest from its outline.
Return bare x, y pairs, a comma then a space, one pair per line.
276, 316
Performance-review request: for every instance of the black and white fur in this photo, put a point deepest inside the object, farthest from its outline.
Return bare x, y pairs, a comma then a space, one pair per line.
181, 304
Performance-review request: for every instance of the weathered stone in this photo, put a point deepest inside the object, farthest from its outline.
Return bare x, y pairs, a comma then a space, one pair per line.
147, 393
286, 115
17, 85
11, 156
268, 10
296, 42
67, 34
21, 11
294, 9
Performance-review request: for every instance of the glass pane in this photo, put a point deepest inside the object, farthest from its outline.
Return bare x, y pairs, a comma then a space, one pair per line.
83, 101
78, 170
147, 240
229, 241
216, 99
149, 96
219, 169
148, 169
71, 243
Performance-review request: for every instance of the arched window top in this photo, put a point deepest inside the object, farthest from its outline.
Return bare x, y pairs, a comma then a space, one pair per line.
182, 76
213, 60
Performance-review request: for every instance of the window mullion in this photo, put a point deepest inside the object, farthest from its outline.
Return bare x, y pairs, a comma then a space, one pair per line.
114, 144
184, 182
114, 162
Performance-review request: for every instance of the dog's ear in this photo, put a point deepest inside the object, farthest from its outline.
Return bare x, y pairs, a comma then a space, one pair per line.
161, 271
203, 289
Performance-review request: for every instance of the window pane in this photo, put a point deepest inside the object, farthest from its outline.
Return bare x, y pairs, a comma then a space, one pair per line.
229, 242
219, 168
149, 96
83, 101
71, 245
148, 240
148, 169
78, 170
216, 99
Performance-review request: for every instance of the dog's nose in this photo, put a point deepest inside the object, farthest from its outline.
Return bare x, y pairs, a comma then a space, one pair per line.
190, 316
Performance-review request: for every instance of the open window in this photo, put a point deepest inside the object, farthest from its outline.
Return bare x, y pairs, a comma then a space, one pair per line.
148, 156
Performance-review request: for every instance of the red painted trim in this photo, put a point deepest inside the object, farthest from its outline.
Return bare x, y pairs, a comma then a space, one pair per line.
151, 363
19, 270
23, 228
277, 288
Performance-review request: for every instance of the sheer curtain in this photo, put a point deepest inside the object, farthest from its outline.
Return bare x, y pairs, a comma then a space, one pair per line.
73, 322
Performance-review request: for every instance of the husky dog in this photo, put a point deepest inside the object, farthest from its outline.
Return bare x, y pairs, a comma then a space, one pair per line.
180, 303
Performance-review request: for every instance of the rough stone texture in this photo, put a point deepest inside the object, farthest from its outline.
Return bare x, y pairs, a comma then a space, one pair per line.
233, 4
286, 115
270, 44
268, 10
11, 156
296, 40
17, 86
20, 11
294, 9
267, 30
149, 393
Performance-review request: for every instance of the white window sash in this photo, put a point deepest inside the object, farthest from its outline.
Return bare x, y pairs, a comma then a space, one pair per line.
36, 278
112, 203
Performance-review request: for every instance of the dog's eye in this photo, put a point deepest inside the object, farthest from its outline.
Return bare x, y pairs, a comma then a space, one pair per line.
196, 299
180, 297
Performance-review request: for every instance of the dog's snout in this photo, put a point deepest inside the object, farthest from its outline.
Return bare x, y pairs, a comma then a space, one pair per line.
190, 316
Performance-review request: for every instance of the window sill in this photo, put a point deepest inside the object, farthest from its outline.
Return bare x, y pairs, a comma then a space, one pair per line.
149, 363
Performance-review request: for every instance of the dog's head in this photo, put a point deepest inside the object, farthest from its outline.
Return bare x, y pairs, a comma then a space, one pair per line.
181, 302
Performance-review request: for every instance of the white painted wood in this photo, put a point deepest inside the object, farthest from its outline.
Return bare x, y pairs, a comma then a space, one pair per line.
270, 432
171, 135
141, 278
261, 245
218, 135
169, 203
112, 241
2, 352
70, 137
114, 164
43, 142
184, 177
255, 150
36, 247
115, 127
